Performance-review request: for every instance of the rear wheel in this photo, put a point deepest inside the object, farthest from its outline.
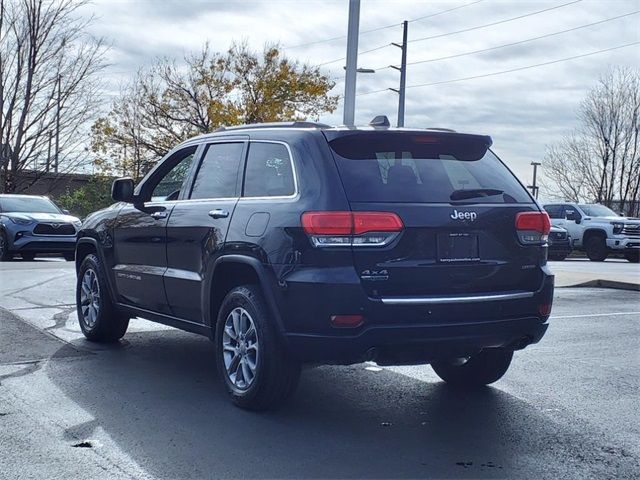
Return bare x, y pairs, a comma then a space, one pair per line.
256, 370
481, 369
4, 247
100, 320
596, 248
633, 257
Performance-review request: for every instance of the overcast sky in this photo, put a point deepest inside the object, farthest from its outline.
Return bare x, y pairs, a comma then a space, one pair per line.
523, 111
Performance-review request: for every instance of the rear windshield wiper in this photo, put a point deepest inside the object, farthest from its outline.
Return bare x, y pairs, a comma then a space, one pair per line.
474, 193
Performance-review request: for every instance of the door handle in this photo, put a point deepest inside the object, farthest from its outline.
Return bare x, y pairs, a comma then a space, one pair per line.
218, 213
159, 215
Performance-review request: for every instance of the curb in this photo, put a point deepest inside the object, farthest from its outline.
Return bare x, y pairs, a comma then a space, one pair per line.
601, 283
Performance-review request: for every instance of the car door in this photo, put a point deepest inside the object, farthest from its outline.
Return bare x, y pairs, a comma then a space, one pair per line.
198, 226
140, 234
573, 222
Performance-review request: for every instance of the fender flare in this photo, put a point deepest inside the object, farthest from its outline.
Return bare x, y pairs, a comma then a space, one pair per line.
266, 279
100, 254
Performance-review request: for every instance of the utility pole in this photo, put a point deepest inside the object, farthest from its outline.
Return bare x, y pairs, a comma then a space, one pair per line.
57, 152
48, 164
352, 63
534, 187
403, 73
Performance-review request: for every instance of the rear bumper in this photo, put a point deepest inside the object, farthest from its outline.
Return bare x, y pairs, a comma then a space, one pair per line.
409, 332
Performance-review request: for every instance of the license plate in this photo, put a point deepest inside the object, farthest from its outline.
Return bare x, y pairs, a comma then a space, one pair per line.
458, 247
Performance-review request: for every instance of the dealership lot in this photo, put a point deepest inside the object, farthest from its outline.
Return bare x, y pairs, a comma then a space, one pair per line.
152, 406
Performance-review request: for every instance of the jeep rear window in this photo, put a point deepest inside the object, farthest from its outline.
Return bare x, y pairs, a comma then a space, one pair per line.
423, 168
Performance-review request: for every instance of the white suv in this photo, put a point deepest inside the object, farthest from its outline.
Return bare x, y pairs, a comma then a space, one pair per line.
597, 230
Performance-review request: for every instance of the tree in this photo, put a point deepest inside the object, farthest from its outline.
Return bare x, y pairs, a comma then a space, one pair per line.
96, 194
170, 102
600, 161
48, 87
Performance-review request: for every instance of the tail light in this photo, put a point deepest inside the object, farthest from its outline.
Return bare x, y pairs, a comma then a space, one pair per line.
345, 229
533, 227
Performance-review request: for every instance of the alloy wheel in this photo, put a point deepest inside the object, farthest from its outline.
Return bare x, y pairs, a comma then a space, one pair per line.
240, 348
90, 298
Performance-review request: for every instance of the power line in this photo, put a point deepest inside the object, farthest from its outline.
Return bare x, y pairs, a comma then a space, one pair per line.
377, 29
492, 74
486, 25
359, 53
521, 41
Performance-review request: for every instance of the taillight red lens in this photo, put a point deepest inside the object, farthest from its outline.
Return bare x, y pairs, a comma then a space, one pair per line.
364, 222
533, 222
327, 223
350, 223
346, 321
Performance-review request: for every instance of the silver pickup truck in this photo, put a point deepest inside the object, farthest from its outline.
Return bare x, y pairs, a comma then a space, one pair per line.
597, 230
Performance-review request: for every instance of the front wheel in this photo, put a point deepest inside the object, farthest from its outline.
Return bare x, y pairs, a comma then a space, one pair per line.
633, 257
100, 320
257, 372
484, 368
596, 248
4, 247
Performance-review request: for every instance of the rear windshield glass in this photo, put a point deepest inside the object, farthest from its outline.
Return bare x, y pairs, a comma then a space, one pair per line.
400, 167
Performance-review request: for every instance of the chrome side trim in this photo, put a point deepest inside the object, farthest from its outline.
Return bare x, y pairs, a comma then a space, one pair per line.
456, 299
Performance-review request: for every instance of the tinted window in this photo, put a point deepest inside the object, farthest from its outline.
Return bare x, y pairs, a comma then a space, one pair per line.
400, 167
268, 172
168, 188
554, 211
218, 173
595, 210
28, 205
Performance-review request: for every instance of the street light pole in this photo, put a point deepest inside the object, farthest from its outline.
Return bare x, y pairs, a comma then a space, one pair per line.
534, 187
58, 107
352, 63
403, 73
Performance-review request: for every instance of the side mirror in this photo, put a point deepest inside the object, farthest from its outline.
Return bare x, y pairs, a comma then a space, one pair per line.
66, 212
122, 190
578, 221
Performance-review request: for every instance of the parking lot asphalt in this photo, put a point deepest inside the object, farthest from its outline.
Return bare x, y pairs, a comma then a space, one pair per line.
152, 407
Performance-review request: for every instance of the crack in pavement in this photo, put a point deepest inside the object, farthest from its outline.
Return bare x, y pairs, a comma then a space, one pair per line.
36, 307
60, 319
39, 284
31, 367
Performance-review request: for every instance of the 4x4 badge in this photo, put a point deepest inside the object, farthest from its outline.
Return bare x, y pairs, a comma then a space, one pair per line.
456, 215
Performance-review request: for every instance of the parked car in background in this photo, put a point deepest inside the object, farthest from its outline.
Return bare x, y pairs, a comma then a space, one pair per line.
31, 225
560, 244
299, 242
597, 230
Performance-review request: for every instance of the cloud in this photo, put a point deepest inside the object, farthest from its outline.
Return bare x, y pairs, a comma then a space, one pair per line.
523, 111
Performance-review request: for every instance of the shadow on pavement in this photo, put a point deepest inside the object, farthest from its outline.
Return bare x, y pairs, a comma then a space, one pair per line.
159, 400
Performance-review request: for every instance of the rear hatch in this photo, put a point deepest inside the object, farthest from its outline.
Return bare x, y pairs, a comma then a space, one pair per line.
458, 204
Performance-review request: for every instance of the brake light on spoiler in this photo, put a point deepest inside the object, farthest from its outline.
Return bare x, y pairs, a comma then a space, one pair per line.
345, 229
533, 227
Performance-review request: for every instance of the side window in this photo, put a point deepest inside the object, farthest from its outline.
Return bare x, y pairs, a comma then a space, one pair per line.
554, 211
571, 213
269, 172
169, 186
217, 176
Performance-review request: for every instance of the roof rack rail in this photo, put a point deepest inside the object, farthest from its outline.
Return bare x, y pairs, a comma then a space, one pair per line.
299, 124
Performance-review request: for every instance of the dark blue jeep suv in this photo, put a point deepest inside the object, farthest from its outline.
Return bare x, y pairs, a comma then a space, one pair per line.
298, 242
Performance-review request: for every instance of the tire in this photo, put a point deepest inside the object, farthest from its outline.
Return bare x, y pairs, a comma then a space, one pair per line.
28, 256
100, 320
274, 375
596, 248
633, 257
69, 257
481, 369
5, 255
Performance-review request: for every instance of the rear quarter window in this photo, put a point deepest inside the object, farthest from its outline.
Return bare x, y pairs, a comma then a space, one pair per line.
423, 168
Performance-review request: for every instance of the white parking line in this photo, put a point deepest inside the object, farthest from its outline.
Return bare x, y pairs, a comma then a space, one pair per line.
595, 315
